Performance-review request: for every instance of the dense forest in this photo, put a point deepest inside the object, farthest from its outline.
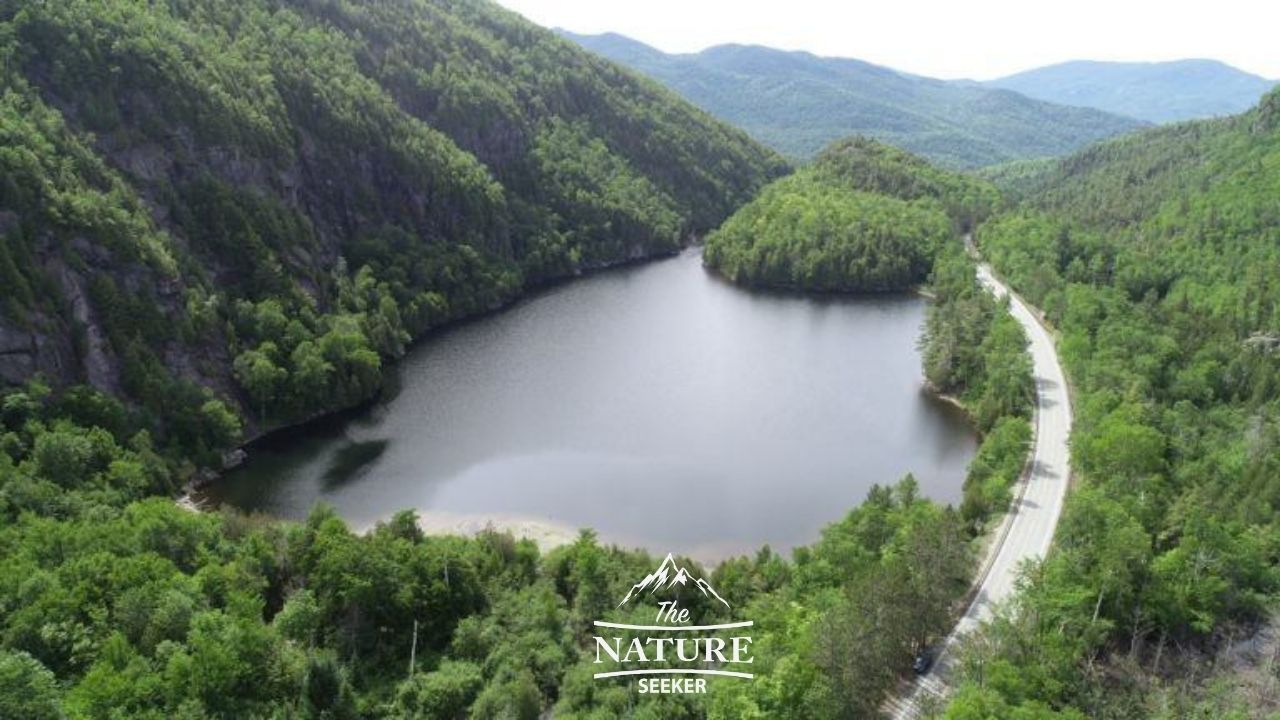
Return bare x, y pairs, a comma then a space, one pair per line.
799, 103
1157, 257
234, 215
863, 217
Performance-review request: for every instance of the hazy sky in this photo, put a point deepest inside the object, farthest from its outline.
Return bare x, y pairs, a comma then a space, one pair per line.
978, 39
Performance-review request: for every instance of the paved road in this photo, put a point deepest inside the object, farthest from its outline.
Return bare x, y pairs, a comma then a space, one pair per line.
1028, 530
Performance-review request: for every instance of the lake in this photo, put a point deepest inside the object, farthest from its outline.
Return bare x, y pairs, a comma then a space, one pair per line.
657, 404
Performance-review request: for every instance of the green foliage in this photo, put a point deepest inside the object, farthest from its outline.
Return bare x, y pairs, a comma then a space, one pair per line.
853, 610
299, 619
445, 693
50, 465
27, 689
516, 697
973, 349
58, 185
858, 163
1151, 255
607, 209
995, 469
863, 217
326, 690
325, 180
804, 235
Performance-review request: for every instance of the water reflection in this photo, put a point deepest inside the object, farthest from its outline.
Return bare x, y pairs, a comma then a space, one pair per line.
351, 460
657, 404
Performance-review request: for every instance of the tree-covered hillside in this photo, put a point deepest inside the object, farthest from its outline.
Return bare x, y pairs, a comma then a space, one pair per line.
863, 217
219, 209
1157, 257
1153, 91
799, 103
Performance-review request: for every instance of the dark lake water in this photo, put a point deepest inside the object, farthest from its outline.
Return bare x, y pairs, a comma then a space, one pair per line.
657, 404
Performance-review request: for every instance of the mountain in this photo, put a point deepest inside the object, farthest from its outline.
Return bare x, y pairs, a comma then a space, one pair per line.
798, 103
1164, 178
234, 215
668, 575
1154, 91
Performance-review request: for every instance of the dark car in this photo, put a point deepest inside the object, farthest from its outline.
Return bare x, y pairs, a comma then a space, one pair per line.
923, 661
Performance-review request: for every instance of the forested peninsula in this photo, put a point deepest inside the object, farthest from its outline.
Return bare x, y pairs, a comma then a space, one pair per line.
863, 217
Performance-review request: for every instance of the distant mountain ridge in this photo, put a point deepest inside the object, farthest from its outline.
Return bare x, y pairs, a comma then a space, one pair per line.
1153, 91
798, 103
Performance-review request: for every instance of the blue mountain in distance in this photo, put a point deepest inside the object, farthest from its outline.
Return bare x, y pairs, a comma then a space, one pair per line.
668, 575
798, 103
1157, 92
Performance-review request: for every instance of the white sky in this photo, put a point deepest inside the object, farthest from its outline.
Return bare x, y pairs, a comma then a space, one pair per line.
979, 39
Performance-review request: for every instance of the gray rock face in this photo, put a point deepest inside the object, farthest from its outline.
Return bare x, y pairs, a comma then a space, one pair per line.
99, 364
31, 348
17, 355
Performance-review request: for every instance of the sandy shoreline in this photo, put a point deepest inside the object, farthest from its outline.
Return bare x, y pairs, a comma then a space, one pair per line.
545, 533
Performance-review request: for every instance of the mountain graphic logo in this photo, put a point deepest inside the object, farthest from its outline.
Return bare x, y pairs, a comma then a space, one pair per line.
667, 576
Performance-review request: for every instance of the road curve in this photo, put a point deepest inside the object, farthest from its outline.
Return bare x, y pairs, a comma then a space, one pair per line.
1027, 530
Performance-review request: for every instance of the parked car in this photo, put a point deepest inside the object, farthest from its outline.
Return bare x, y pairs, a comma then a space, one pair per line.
923, 661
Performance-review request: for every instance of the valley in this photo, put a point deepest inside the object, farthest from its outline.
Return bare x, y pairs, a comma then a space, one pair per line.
955, 399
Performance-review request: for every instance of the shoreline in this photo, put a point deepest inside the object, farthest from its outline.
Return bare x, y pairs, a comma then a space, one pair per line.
795, 290
546, 533
955, 402
242, 452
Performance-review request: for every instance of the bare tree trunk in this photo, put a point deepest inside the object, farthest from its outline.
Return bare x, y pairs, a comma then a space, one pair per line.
1137, 635
413, 651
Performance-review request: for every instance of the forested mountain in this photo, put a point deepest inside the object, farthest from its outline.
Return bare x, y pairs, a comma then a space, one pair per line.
862, 217
1157, 257
798, 103
210, 208
1154, 91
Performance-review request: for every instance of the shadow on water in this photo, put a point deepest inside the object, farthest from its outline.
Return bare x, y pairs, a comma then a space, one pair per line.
351, 461
812, 297
331, 427
946, 407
